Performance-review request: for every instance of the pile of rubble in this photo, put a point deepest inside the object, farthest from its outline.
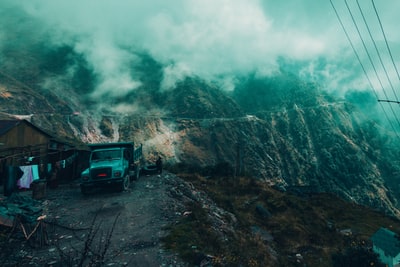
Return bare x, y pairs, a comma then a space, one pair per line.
20, 212
23, 207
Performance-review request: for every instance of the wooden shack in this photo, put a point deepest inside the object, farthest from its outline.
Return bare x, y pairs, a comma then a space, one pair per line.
21, 140
22, 143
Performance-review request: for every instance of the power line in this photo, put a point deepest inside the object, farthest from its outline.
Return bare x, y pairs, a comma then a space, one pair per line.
362, 66
370, 59
387, 44
377, 50
365, 48
389, 101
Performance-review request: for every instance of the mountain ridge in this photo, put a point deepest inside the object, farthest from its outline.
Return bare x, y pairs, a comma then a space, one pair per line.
279, 129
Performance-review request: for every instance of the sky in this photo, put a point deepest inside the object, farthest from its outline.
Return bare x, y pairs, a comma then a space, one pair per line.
219, 38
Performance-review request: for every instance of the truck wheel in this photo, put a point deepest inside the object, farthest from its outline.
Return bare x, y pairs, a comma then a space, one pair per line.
137, 173
125, 183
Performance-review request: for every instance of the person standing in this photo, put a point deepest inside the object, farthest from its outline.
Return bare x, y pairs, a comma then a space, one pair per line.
159, 165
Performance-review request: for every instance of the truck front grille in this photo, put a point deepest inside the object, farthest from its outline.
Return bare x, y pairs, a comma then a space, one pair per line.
100, 173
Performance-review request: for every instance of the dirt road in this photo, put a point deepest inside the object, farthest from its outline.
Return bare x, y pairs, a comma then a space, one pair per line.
140, 215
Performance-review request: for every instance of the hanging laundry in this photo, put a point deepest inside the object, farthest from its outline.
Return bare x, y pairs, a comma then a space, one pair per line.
27, 178
35, 172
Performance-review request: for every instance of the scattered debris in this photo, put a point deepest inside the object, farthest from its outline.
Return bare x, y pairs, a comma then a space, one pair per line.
28, 210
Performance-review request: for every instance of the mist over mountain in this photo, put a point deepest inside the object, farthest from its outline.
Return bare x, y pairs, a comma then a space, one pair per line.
300, 121
279, 128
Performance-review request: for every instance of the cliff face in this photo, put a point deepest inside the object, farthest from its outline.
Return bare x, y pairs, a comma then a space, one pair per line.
325, 144
310, 142
278, 129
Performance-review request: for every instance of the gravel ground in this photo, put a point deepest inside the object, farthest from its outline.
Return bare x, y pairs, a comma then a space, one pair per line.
122, 229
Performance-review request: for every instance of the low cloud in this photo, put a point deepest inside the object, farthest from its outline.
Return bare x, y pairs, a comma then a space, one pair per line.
174, 73
210, 38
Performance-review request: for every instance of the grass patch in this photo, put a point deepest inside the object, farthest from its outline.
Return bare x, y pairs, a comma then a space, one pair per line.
193, 237
311, 226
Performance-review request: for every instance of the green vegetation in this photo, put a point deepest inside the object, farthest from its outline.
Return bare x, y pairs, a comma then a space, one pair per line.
311, 229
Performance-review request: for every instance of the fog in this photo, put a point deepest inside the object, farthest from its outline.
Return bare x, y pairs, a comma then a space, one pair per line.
213, 39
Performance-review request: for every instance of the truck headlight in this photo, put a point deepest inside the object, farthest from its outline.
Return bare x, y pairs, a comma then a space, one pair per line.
85, 177
117, 174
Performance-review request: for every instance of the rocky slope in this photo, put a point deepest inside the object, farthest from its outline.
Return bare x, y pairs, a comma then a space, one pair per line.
278, 129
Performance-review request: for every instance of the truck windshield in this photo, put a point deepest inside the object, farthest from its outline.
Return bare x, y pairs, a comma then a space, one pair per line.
106, 155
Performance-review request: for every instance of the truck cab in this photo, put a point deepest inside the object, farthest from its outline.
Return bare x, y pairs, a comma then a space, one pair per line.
111, 164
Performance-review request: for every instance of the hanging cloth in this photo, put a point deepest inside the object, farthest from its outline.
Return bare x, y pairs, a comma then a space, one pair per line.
35, 172
27, 178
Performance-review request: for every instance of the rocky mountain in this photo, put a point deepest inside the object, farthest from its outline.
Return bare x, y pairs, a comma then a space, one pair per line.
278, 129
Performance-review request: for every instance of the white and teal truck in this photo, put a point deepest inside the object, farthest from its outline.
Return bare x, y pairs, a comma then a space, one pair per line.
111, 164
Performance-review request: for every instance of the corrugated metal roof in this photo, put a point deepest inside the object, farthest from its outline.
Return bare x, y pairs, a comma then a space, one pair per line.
388, 241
